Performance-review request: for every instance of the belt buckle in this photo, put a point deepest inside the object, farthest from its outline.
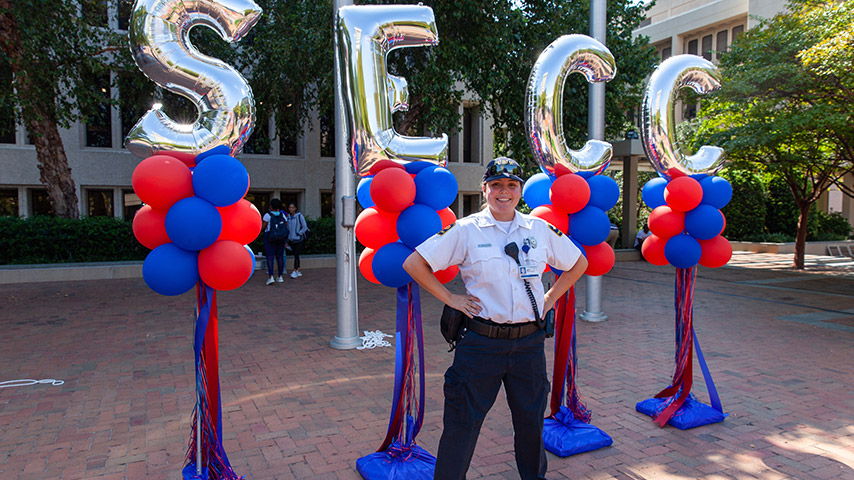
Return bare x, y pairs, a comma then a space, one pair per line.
504, 331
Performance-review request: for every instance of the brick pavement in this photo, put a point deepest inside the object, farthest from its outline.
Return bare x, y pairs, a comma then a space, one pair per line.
779, 344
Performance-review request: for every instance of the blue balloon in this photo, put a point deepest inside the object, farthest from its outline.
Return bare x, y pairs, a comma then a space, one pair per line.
252, 256
580, 246
653, 192
193, 224
590, 226
388, 265
363, 192
717, 191
221, 180
169, 270
415, 167
536, 190
417, 223
704, 222
682, 251
436, 187
604, 192
220, 150
585, 175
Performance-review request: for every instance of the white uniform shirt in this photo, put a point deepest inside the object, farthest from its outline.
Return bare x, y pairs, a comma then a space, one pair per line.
476, 244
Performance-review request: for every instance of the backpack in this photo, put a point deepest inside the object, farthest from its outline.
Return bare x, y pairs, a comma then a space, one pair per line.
278, 229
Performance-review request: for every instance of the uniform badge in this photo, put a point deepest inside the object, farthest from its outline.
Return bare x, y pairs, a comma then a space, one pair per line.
554, 229
445, 230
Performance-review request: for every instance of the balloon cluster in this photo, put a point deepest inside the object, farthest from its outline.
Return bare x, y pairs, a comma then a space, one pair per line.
686, 221
404, 205
195, 221
575, 203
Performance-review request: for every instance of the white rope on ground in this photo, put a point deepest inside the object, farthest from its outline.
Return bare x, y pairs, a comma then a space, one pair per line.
26, 382
373, 340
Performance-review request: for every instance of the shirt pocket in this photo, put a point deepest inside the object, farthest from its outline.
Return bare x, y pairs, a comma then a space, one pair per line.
488, 264
537, 256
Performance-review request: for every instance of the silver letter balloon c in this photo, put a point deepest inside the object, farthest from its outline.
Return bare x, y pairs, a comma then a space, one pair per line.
659, 118
160, 43
364, 37
544, 103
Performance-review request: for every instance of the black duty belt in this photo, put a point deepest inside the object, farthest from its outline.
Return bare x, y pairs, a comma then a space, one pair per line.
491, 329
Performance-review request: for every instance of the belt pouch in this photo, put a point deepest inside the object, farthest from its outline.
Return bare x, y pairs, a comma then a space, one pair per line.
452, 320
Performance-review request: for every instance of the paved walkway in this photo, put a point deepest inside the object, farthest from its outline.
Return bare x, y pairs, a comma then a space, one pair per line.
779, 343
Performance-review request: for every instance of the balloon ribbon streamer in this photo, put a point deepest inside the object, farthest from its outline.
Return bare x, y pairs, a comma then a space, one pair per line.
566, 361
686, 341
208, 410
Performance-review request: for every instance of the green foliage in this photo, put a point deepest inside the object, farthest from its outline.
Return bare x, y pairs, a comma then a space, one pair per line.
831, 226
59, 240
745, 213
770, 238
781, 210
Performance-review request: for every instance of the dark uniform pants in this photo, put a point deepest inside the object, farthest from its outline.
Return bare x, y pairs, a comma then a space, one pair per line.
481, 365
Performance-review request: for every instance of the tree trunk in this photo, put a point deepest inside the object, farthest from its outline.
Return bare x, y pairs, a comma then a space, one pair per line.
54, 171
801, 238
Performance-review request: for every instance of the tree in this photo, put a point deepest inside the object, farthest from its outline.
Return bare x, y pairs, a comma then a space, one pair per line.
51, 51
784, 108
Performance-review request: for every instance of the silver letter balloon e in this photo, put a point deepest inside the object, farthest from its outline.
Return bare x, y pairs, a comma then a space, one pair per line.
544, 102
365, 36
659, 119
160, 43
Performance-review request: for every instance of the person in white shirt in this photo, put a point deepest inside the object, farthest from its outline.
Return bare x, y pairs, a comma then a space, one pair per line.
641, 236
502, 339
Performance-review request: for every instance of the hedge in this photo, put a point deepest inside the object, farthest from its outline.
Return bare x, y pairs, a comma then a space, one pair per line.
43, 239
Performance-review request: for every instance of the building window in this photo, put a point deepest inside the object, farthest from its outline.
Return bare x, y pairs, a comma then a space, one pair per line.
327, 133
736, 31
135, 99
130, 204
288, 144
100, 203
7, 113
289, 197
707, 47
8, 202
99, 124
471, 204
327, 204
289, 130
666, 53
721, 46
261, 200
39, 202
259, 141
95, 13
690, 111
692, 47
470, 135
125, 7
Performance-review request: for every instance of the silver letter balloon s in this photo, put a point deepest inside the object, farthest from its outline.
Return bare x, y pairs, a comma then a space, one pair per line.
160, 44
544, 102
366, 35
659, 118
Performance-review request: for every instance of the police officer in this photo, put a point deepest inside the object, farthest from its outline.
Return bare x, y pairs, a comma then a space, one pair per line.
502, 342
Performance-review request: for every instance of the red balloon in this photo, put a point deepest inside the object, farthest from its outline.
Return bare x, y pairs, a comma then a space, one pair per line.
653, 250
561, 169
446, 275
448, 217
375, 228
665, 222
241, 222
549, 213
149, 227
392, 190
600, 259
716, 252
365, 260
683, 194
161, 180
382, 165
225, 265
570, 193
188, 158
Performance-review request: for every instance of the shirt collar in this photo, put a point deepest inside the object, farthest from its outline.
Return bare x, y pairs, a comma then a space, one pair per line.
484, 218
